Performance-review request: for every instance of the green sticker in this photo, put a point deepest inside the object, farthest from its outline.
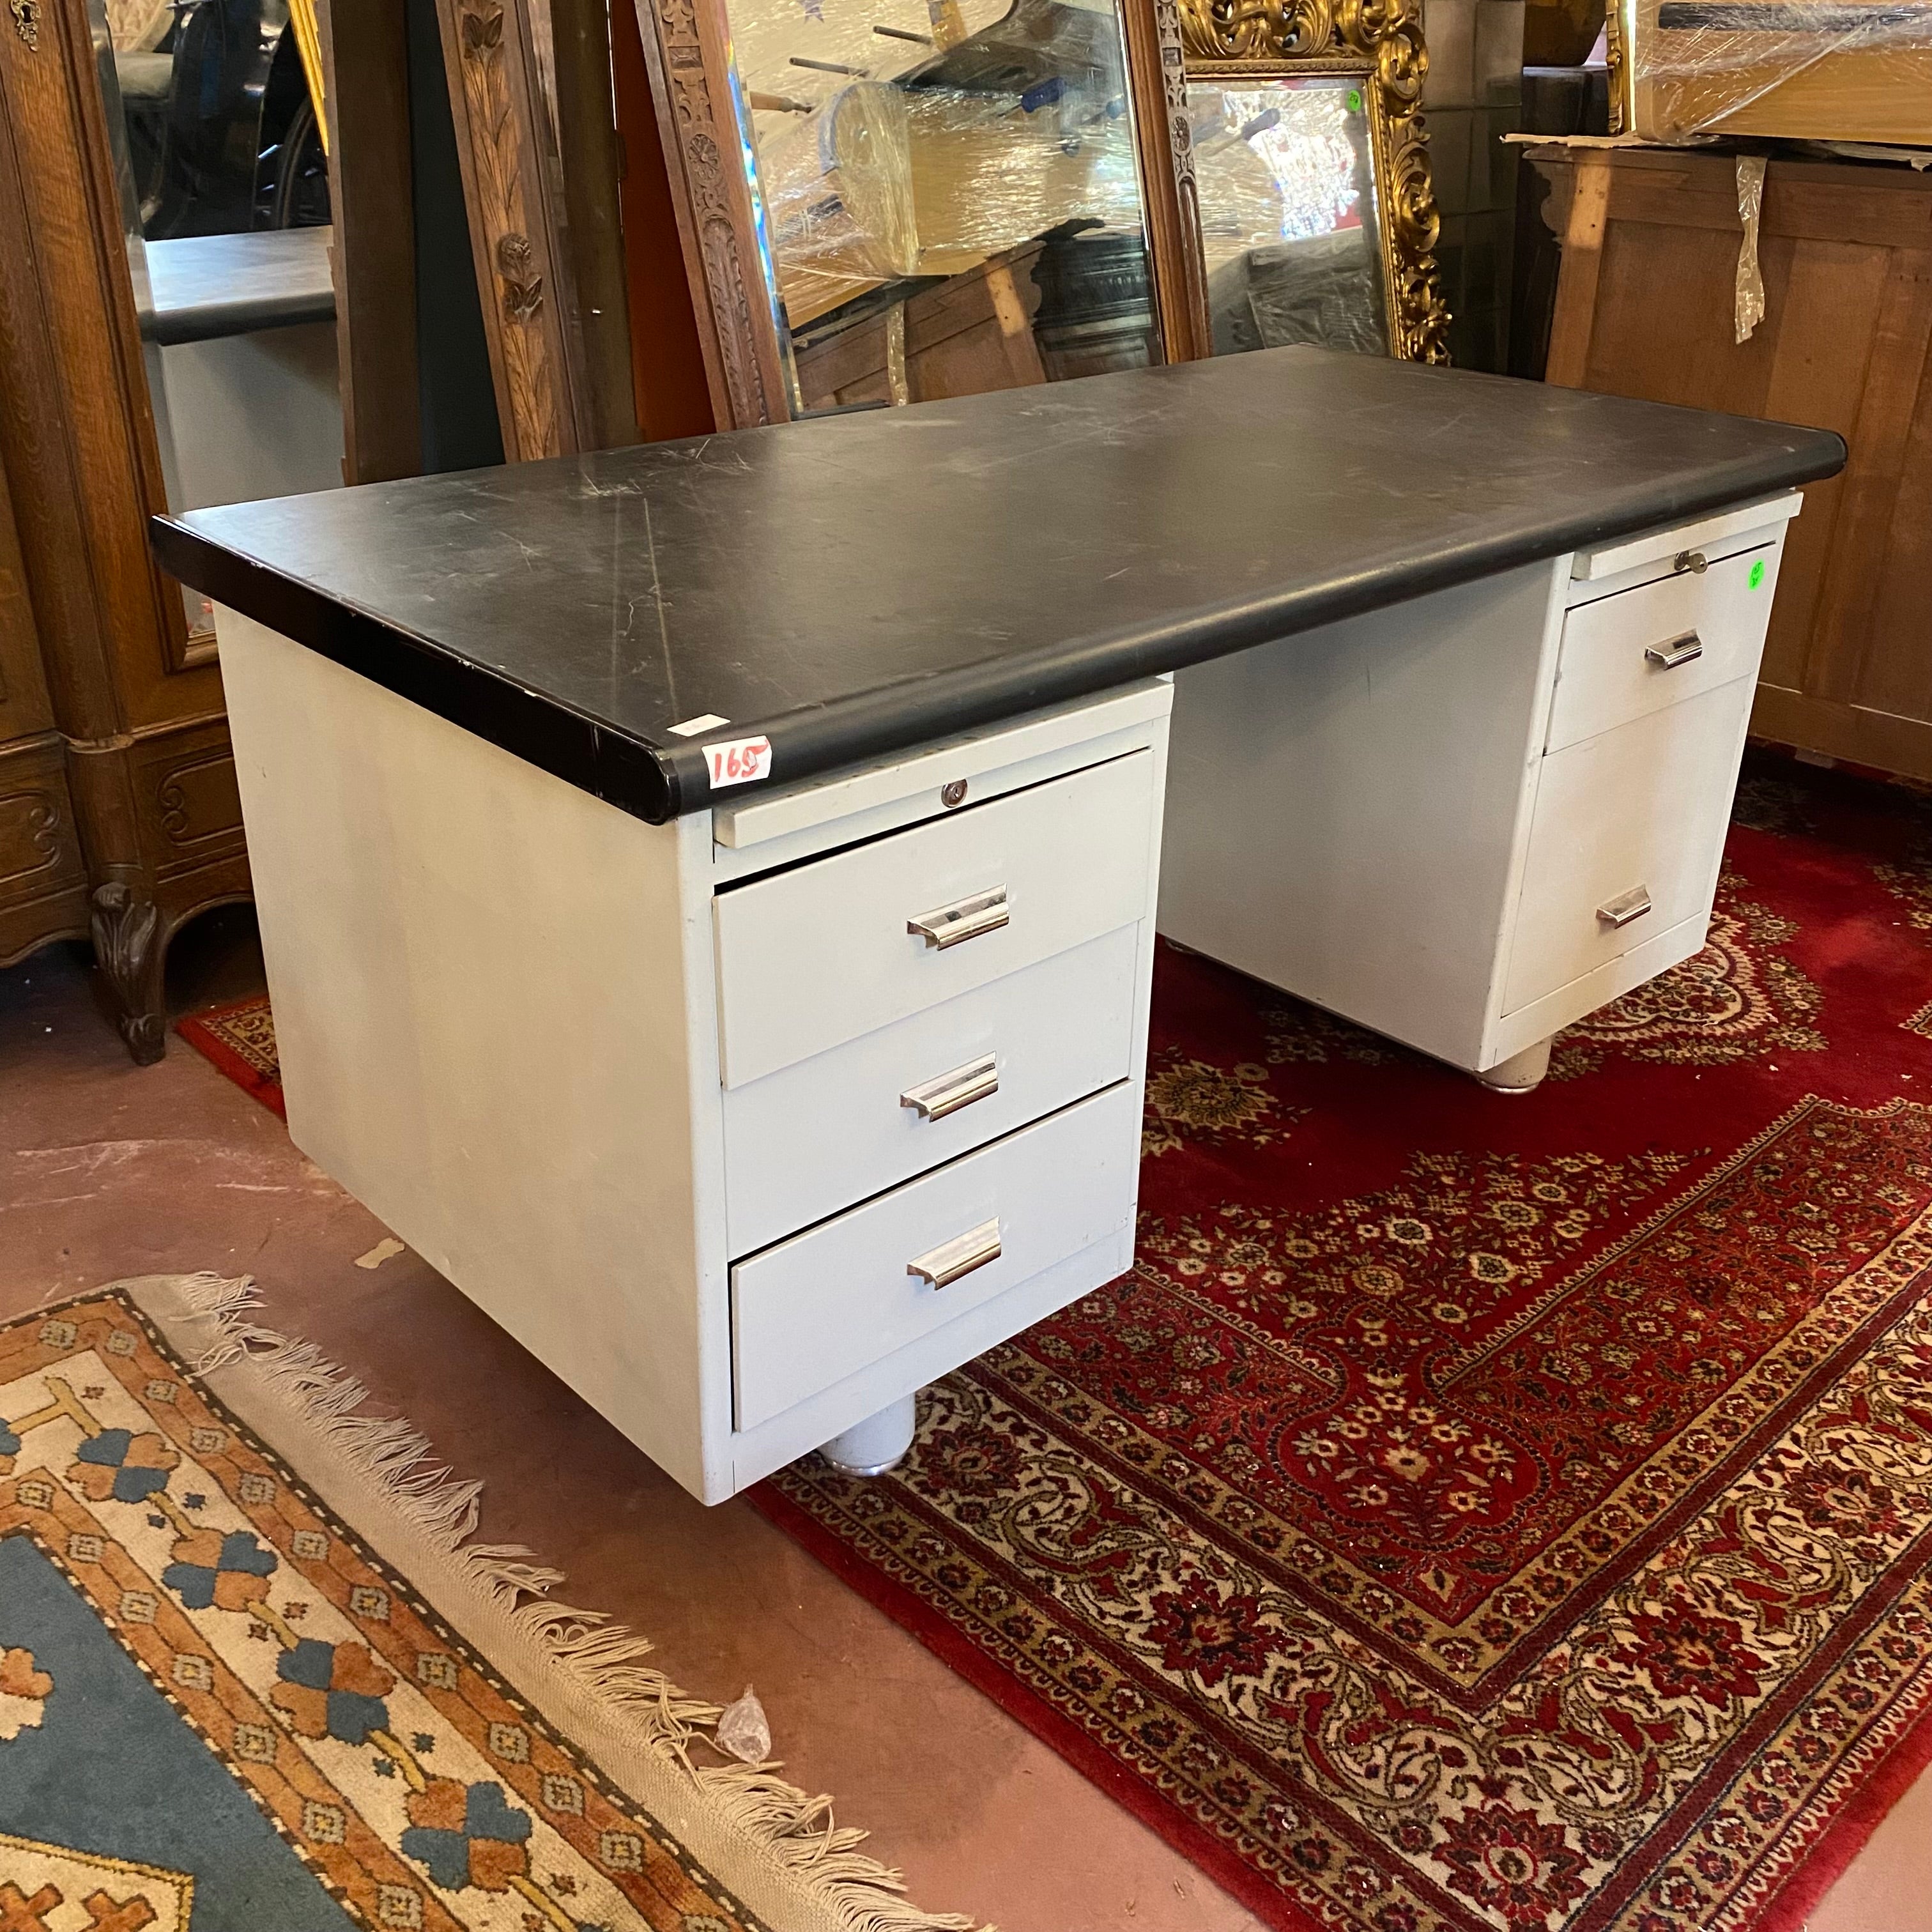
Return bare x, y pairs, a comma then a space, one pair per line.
1355, 100
1757, 576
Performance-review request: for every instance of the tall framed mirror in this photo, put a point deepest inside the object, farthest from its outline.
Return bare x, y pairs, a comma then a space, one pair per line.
946, 193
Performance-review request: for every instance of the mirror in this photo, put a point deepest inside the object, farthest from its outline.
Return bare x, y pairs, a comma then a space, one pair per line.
1290, 230
213, 123
1309, 167
948, 194
221, 133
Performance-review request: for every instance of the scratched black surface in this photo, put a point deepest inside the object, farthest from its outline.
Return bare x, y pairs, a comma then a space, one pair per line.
856, 585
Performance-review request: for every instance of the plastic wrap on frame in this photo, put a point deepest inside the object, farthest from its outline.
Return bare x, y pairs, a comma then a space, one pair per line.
839, 187
1822, 70
987, 174
884, 182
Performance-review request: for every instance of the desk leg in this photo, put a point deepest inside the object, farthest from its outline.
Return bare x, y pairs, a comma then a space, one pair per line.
871, 1447
1521, 1073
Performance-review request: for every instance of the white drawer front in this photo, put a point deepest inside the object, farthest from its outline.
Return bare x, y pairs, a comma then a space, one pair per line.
814, 1309
813, 1138
813, 957
1642, 810
1626, 656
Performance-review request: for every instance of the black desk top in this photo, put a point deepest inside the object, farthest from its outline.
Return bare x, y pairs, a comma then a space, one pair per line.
201, 286
856, 585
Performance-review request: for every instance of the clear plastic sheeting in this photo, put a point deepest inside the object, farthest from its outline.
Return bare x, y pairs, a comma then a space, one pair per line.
886, 181
987, 174
1748, 309
1811, 70
839, 186
1286, 177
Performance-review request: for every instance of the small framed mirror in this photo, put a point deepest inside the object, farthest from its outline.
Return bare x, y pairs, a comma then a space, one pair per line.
1290, 222
1307, 168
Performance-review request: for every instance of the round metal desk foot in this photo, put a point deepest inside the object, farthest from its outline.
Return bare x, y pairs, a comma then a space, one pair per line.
871, 1447
1521, 1073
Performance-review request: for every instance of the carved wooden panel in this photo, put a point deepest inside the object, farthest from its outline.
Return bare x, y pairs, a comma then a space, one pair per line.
495, 101
40, 850
1157, 80
43, 877
684, 44
185, 796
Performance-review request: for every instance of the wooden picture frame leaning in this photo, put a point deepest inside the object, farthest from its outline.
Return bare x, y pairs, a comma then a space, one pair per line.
1277, 39
543, 403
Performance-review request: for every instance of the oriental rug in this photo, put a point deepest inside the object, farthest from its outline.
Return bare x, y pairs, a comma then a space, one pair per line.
240, 1039
253, 1679
1478, 1511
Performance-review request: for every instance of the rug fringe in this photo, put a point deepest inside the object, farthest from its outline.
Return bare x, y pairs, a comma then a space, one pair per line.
600, 1658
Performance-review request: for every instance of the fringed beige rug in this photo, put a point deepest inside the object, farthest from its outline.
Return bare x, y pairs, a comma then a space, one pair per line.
253, 1672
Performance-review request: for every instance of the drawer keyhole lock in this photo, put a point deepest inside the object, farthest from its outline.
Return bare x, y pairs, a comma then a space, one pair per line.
1692, 560
954, 795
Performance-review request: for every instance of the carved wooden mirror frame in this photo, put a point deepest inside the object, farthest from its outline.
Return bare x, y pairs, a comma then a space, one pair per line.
1220, 40
505, 147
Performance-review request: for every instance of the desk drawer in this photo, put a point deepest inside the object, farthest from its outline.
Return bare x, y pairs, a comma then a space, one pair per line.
813, 1138
820, 955
1636, 814
1626, 656
813, 1310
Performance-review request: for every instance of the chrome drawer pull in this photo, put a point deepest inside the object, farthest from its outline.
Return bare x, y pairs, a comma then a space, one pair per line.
1625, 907
946, 1093
1686, 649
944, 1264
963, 919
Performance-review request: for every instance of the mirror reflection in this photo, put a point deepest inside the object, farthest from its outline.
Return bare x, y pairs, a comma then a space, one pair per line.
215, 128
1285, 168
222, 134
950, 192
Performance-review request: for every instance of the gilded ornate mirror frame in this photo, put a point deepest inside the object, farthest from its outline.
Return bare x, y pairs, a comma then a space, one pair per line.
1218, 39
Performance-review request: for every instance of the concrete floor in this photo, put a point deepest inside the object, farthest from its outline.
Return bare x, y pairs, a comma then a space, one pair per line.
108, 1170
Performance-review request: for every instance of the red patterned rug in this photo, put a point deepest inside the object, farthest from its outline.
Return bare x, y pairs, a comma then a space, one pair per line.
240, 1039
1480, 1512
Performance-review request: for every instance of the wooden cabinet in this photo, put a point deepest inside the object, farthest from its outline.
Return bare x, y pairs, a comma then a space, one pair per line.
119, 817
1644, 307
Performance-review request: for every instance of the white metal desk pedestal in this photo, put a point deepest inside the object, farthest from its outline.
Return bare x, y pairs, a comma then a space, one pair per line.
688, 1107
1468, 820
